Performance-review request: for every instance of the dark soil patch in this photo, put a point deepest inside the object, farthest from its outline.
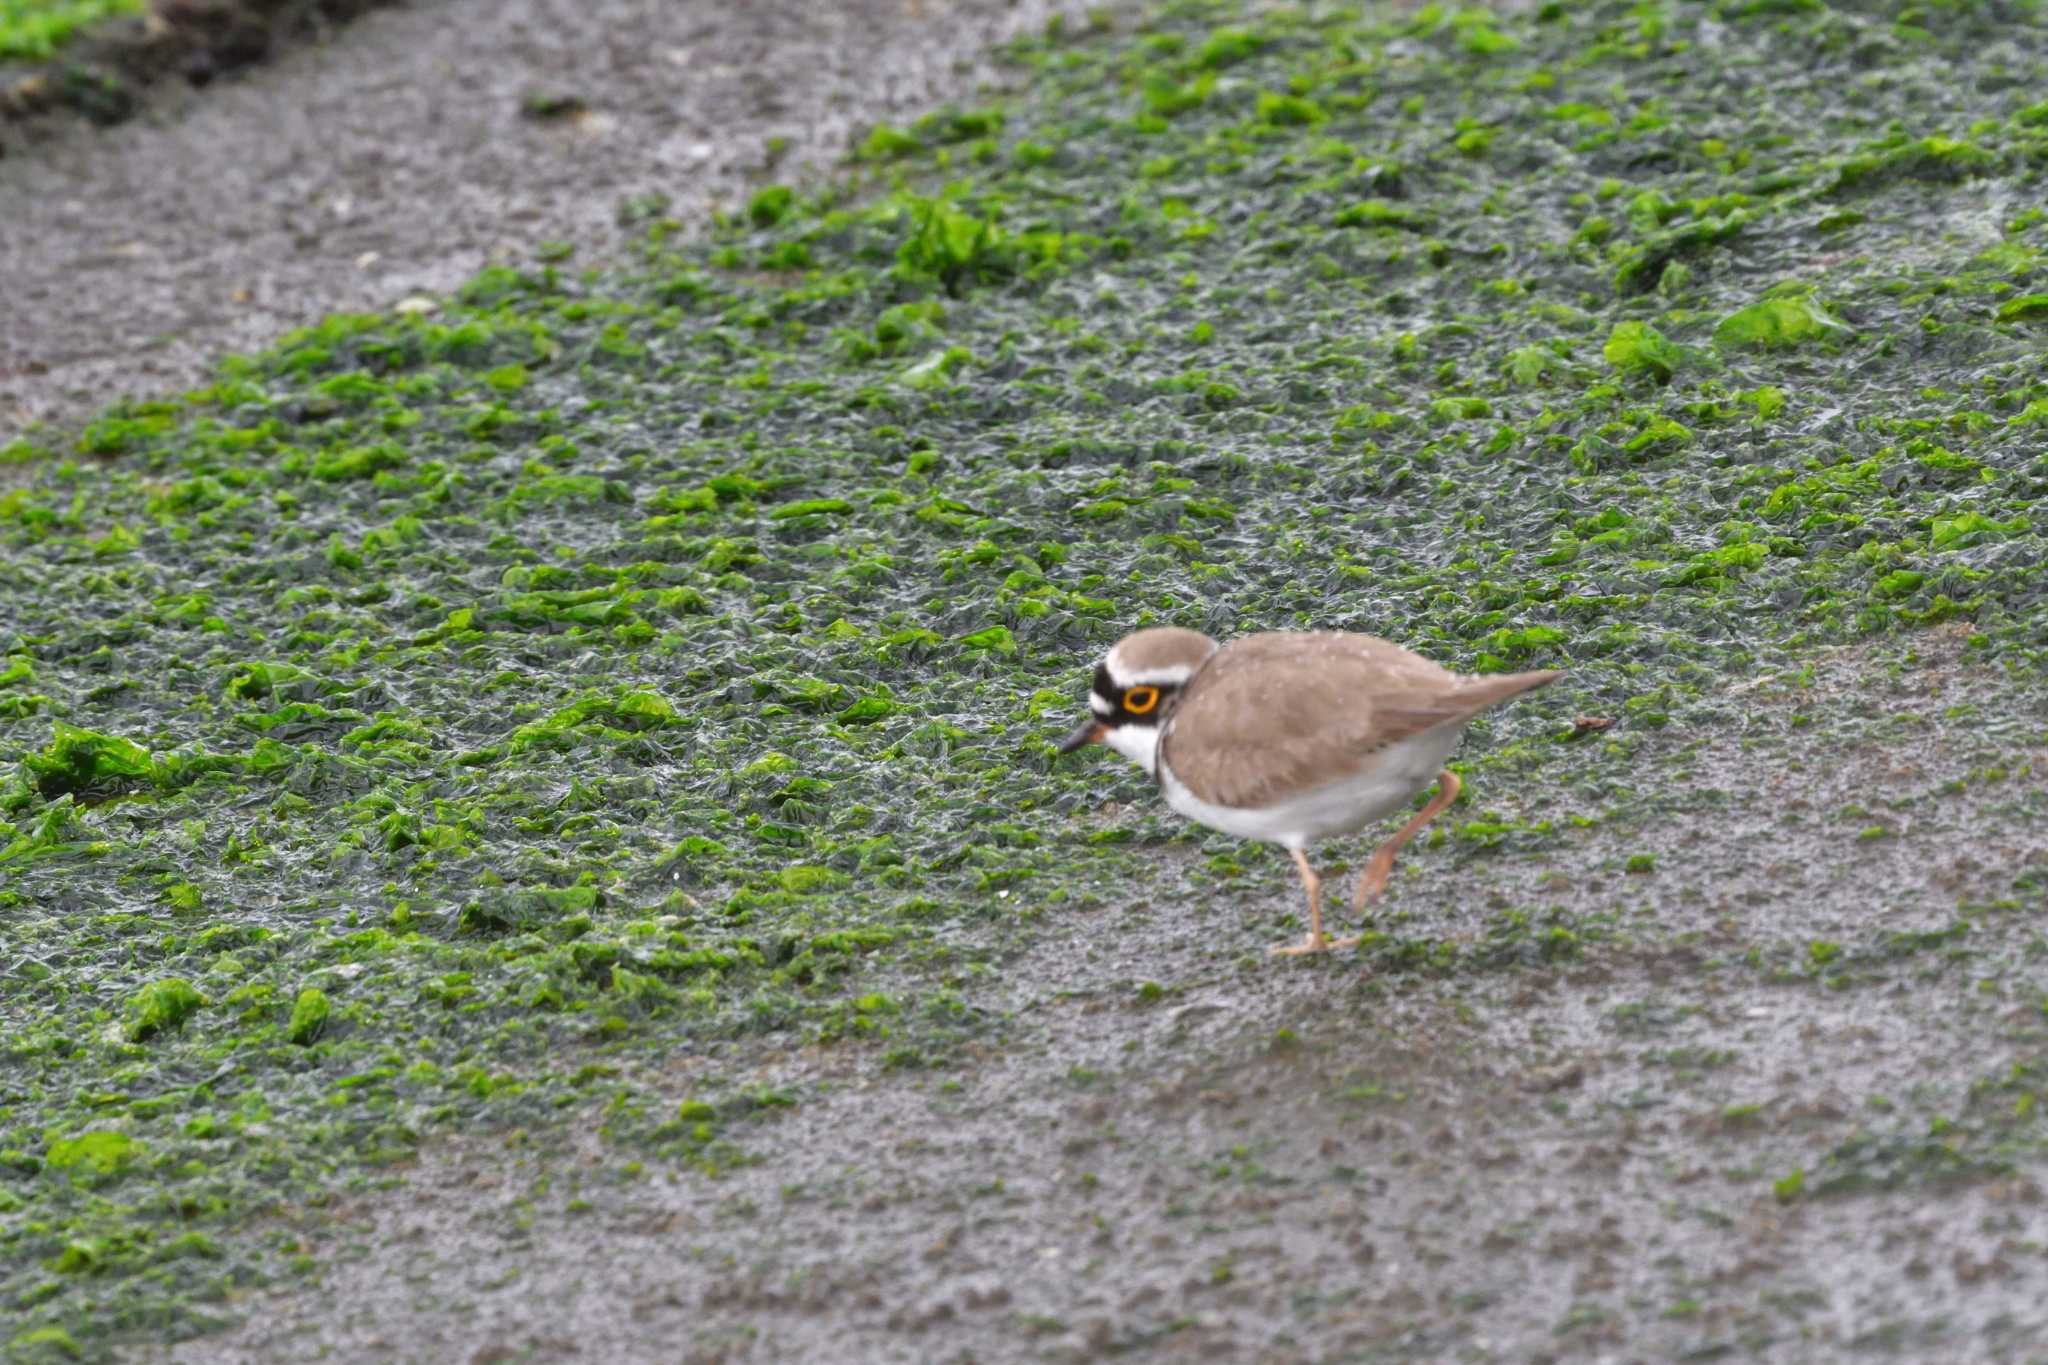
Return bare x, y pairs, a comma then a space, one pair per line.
105, 73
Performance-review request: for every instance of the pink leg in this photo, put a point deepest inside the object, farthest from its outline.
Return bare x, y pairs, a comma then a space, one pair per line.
1382, 865
1313, 884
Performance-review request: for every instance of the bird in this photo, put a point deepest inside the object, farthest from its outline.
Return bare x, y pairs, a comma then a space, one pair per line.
1291, 737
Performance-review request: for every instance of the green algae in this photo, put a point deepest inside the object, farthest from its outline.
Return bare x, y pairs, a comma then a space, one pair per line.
35, 29
652, 659
49, 1342
309, 1016
81, 762
99, 1152
1639, 346
161, 1006
2026, 308
1777, 322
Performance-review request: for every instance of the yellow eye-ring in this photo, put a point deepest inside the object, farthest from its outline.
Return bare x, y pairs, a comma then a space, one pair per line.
1139, 700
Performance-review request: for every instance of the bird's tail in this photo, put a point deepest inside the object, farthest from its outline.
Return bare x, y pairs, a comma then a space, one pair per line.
1483, 692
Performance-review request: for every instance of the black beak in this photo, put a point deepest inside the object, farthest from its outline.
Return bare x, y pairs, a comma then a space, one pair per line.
1087, 732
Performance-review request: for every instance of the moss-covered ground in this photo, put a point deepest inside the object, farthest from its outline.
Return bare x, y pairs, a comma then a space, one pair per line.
473, 720
35, 29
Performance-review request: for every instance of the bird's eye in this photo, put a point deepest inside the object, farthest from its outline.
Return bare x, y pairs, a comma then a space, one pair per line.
1139, 700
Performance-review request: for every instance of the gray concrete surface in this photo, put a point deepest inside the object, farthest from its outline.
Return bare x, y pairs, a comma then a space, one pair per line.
393, 159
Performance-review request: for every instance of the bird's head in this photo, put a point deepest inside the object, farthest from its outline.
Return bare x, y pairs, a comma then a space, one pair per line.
1134, 690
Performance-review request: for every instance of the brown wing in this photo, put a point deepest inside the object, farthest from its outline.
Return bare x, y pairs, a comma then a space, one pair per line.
1271, 715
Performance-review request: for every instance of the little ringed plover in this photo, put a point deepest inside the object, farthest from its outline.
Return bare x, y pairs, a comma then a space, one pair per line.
1290, 737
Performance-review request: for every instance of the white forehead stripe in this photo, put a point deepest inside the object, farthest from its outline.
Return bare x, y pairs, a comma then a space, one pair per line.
1100, 704
1170, 675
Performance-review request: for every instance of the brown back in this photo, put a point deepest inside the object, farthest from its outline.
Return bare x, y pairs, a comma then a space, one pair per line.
1272, 715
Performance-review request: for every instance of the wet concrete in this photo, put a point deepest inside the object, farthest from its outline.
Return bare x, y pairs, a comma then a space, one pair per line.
1575, 1160
394, 159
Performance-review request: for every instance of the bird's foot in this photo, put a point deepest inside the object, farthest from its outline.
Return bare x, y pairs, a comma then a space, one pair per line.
1314, 943
1373, 884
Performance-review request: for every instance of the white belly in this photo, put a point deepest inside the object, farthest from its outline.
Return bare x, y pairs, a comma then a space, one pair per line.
1339, 808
